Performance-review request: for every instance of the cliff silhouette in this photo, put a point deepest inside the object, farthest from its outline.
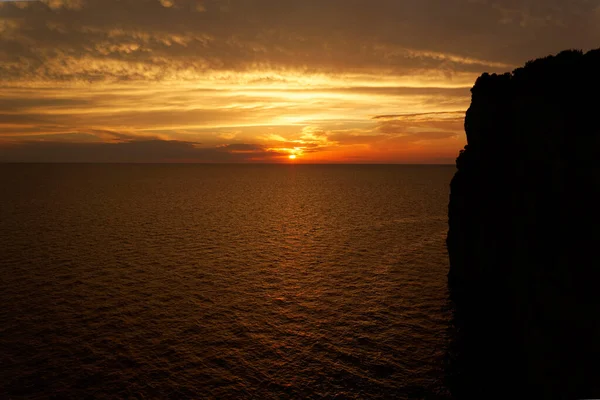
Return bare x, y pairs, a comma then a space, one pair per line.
524, 234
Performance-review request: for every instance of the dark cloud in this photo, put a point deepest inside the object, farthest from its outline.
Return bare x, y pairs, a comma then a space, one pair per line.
142, 39
137, 151
12, 104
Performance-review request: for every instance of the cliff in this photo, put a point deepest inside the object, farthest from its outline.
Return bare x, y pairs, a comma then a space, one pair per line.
524, 233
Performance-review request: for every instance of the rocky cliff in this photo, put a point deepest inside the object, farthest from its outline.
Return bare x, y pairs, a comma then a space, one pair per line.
524, 233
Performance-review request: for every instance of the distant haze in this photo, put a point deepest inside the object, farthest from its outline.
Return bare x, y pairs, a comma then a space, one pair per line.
381, 81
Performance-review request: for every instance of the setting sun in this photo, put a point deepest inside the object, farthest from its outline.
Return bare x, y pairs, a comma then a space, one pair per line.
292, 156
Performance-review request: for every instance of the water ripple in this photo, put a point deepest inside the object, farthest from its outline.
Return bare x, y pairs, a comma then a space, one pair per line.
223, 281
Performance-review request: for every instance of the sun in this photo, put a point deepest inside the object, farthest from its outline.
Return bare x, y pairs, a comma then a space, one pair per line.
292, 156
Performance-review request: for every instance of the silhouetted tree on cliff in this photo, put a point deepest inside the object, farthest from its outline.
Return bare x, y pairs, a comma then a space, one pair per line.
524, 238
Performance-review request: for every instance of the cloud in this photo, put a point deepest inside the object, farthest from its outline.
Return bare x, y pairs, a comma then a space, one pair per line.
132, 40
167, 3
137, 151
422, 127
423, 116
200, 7
67, 4
365, 78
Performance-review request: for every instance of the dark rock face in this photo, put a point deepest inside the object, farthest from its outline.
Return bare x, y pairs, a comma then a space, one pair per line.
524, 238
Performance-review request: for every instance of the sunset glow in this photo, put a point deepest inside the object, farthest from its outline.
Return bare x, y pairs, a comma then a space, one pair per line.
235, 81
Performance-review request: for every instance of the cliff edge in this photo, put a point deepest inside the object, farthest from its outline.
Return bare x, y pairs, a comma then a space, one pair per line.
524, 233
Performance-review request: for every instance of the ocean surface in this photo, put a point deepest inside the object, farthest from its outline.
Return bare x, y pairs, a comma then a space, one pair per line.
223, 281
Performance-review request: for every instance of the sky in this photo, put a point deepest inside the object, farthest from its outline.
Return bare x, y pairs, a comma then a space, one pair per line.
326, 81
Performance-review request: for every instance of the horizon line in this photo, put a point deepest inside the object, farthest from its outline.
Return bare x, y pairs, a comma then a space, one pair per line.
214, 163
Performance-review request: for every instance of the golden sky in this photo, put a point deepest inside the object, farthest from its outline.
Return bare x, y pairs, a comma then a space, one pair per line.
350, 81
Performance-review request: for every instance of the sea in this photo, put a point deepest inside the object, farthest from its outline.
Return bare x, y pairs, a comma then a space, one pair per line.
190, 281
